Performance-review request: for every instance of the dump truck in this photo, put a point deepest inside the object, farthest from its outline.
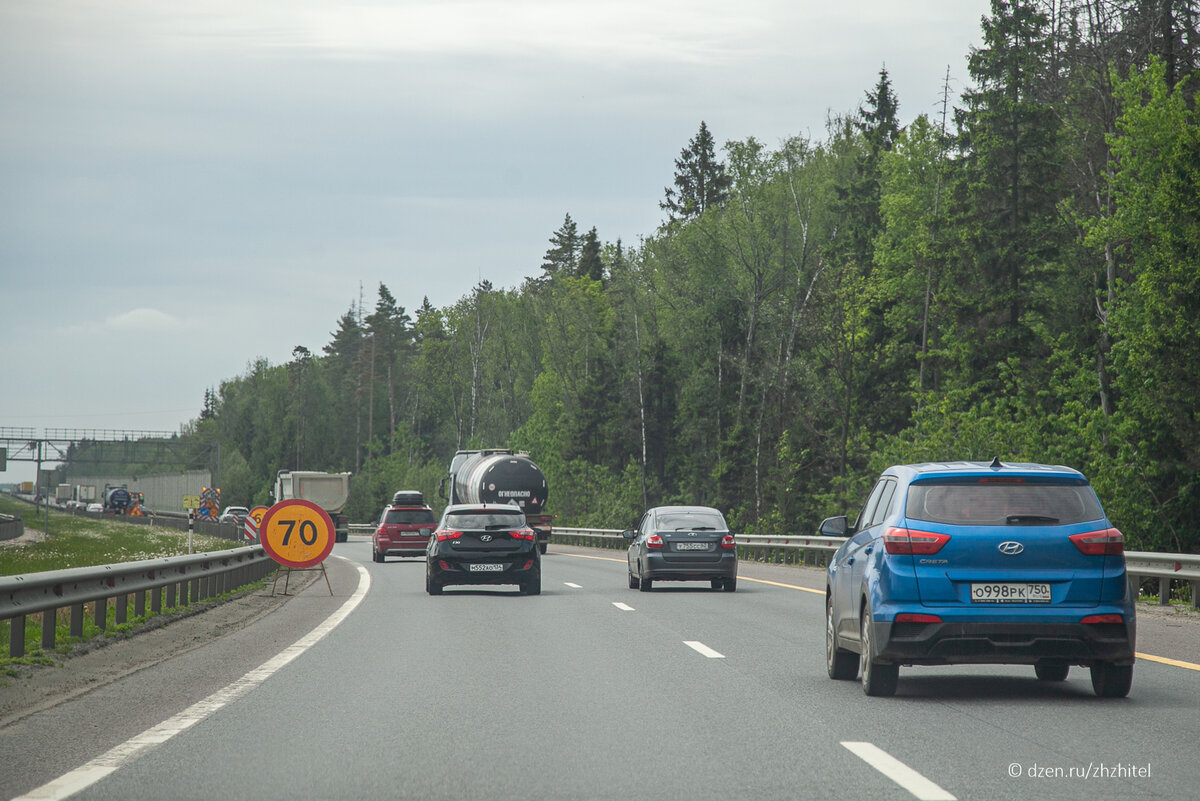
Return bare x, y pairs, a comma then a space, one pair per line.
330, 491
499, 475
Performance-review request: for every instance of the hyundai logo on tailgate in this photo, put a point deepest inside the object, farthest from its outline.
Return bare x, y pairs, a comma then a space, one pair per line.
1010, 548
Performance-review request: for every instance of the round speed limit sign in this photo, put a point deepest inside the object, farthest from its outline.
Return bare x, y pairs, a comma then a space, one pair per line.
296, 533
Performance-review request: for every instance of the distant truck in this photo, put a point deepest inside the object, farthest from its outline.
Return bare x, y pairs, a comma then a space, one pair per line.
120, 500
117, 500
330, 491
497, 475
75, 494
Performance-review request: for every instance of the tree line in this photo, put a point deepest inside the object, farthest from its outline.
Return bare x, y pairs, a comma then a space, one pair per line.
1014, 275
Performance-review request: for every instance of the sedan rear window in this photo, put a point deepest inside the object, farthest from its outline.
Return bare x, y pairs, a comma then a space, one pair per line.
409, 516
691, 521
477, 521
998, 502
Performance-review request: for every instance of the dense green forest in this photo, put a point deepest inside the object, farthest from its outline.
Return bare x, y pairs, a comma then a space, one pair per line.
1015, 275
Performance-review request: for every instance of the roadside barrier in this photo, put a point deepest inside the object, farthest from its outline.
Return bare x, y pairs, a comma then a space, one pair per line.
169, 582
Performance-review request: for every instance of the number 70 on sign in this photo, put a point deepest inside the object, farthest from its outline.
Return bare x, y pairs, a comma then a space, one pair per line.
296, 533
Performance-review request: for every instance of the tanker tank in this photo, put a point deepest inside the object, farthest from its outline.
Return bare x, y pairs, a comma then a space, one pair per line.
502, 476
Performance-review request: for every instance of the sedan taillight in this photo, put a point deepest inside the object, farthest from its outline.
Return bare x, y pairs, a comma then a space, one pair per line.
728, 542
444, 535
654, 541
907, 541
1109, 542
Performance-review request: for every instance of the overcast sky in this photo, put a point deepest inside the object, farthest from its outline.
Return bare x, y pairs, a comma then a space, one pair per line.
187, 186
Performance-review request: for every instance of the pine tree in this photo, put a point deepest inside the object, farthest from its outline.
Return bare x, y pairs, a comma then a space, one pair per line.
590, 264
701, 181
1009, 133
563, 255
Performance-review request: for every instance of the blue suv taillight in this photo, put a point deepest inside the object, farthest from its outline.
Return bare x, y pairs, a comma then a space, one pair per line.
1108, 542
908, 541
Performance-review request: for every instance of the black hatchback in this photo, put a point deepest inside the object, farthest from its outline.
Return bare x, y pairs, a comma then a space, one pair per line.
483, 544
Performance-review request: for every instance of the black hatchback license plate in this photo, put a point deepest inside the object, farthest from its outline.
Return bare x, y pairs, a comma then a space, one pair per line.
485, 567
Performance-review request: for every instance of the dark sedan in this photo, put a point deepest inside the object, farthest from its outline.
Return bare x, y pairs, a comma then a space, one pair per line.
483, 544
682, 543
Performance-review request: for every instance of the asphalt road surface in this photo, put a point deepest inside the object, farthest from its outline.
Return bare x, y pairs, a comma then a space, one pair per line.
589, 691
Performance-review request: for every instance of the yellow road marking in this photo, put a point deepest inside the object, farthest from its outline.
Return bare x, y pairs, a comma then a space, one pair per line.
778, 584
1165, 661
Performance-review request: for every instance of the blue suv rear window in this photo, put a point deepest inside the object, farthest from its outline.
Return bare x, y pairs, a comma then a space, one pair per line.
1002, 501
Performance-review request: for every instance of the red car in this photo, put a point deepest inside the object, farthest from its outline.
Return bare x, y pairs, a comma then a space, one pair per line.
403, 530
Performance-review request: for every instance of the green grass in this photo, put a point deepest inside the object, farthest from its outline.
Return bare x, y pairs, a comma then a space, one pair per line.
86, 542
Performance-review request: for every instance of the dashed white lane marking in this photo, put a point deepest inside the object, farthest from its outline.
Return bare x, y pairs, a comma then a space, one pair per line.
623, 607
85, 776
701, 648
898, 772
574, 585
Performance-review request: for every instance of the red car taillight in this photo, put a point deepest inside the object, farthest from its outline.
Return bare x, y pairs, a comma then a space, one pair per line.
907, 541
728, 542
442, 536
654, 541
1109, 542
523, 534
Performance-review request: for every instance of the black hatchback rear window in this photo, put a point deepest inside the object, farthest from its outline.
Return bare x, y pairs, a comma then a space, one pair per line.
480, 521
998, 502
409, 516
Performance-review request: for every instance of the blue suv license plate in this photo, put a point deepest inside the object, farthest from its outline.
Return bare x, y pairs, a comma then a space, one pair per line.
1008, 593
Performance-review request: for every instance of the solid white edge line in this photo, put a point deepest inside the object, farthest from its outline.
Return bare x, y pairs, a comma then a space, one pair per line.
898, 772
623, 607
86, 775
701, 648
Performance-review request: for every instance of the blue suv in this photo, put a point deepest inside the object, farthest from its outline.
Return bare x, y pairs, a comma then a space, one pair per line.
977, 563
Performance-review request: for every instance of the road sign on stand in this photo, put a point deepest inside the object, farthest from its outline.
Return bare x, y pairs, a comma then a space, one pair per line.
297, 534
253, 521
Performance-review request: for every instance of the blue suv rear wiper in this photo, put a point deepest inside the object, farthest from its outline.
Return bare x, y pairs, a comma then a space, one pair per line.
1016, 520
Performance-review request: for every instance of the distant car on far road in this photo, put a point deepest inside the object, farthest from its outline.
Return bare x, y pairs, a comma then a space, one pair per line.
234, 514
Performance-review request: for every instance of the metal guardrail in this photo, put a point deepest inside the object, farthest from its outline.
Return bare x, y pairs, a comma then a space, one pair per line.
809, 550
1140, 565
1166, 567
181, 579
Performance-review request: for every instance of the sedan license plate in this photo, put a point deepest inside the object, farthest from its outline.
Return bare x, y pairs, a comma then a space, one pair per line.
485, 567
691, 546
1008, 593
